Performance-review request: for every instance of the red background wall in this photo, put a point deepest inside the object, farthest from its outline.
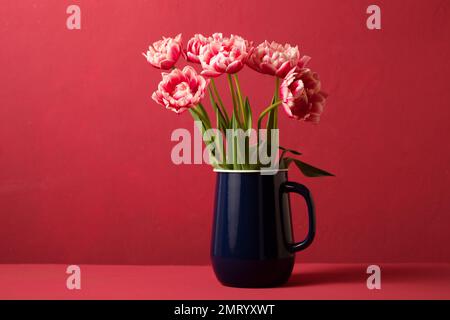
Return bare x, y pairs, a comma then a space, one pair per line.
85, 169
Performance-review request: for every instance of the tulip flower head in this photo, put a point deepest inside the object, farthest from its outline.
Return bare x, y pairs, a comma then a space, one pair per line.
301, 95
163, 54
180, 90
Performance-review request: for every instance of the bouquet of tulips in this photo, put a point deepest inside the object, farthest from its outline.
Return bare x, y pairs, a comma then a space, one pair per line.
297, 91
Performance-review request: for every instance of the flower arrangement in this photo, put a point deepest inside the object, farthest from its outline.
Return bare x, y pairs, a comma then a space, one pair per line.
297, 90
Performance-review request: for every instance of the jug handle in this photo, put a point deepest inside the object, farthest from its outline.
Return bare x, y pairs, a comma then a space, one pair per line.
300, 189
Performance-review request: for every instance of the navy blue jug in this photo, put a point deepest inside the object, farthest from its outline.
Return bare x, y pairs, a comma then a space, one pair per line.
252, 240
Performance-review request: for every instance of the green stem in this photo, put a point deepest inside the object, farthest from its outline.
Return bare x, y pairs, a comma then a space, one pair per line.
272, 121
274, 114
221, 121
233, 97
282, 156
241, 102
205, 121
206, 125
222, 107
261, 117
266, 111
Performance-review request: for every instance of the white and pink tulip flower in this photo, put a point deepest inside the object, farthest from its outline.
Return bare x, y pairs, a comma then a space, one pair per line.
223, 55
301, 95
180, 90
275, 59
194, 46
164, 54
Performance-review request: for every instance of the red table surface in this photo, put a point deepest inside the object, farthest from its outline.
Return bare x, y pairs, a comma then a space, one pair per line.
308, 281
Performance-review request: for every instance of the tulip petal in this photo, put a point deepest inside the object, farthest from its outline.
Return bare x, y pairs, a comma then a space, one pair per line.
234, 67
210, 73
267, 68
283, 70
303, 62
192, 58
166, 64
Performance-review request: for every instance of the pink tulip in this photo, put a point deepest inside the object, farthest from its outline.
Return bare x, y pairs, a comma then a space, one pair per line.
274, 58
223, 55
163, 54
302, 62
194, 46
301, 95
180, 90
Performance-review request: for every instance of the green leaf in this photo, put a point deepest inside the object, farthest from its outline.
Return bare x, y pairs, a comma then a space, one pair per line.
234, 126
290, 150
234, 98
271, 124
285, 151
252, 153
197, 117
309, 170
272, 121
198, 113
285, 162
240, 101
222, 121
248, 114
219, 100
205, 116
